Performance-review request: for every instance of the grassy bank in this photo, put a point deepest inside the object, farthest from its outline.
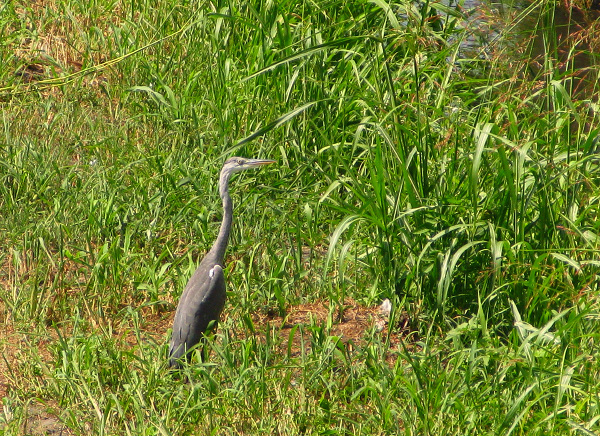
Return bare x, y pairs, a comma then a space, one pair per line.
461, 183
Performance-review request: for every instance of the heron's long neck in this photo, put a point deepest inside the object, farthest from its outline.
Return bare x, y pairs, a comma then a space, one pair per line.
220, 244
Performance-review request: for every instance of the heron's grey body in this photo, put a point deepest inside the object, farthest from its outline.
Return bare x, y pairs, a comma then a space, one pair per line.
204, 296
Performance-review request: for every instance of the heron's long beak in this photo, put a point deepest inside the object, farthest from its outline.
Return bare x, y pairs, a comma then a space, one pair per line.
259, 162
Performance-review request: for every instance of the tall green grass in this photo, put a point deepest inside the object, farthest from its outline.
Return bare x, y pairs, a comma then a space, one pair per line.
465, 190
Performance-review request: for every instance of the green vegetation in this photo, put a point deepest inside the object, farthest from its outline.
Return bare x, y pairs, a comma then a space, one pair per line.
462, 186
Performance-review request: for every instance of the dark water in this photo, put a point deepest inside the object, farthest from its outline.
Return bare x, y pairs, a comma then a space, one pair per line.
549, 33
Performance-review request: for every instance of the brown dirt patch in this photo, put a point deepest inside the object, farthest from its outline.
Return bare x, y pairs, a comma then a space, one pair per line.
13, 354
42, 419
352, 328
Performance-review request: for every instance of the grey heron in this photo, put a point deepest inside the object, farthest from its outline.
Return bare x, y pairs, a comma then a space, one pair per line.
204, 296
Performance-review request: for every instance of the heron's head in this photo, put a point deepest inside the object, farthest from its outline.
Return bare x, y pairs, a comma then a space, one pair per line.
236, 164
